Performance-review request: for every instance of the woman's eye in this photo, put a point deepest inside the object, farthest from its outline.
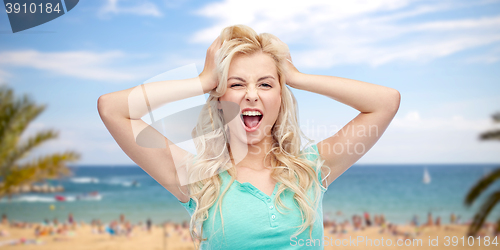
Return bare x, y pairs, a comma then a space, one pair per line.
266, 85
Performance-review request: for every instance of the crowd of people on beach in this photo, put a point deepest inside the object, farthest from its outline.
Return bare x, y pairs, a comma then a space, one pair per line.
359, 223
65, 230
120, 227
123, 227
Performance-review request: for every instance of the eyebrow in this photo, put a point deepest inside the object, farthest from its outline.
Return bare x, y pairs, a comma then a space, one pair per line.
241, 79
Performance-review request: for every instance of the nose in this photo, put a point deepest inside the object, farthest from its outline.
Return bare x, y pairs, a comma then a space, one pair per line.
251, 94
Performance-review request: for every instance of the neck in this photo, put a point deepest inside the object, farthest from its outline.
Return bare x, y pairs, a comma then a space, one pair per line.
251, 156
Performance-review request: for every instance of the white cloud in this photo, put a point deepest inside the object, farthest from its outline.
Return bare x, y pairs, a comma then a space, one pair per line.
481, 106
356, 32
413, 116
414, 137
89, 138
102, 66
491, 56
432, 146
141, 8
80, 64
413, 121
483, 22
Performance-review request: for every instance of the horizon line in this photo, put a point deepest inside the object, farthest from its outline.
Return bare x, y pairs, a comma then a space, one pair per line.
357, 164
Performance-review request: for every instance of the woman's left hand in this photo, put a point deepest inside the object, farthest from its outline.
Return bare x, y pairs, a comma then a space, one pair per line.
291, 73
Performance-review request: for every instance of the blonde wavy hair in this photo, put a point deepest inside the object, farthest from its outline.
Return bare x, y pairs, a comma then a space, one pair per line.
289, 165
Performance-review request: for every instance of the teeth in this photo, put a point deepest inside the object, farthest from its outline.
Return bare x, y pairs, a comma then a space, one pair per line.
251, 113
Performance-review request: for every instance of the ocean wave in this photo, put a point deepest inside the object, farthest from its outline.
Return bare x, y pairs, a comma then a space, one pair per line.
47, 199
84, 180
121, 182
89, 197
125, 182
30, 198
131, 183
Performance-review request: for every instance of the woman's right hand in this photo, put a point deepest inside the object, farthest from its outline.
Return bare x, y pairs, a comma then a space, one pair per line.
208, 76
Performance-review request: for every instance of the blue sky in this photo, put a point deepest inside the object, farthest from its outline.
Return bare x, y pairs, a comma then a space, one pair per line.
442, 56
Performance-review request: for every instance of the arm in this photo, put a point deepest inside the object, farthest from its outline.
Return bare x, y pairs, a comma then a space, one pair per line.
121, 113
377, 106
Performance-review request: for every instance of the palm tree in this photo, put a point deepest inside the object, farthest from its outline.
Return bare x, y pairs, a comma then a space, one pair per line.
15, 116
482, 185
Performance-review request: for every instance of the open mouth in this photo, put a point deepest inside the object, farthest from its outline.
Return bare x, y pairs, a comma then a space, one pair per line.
251, 120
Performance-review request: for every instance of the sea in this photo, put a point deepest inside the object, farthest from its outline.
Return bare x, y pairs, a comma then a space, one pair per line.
396, 191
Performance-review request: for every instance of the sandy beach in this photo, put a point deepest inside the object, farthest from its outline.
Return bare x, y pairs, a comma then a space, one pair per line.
85, 236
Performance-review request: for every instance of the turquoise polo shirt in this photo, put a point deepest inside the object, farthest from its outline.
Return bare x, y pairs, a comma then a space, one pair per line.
251, 220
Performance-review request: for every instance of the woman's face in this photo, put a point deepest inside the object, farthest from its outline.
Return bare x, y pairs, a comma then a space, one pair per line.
252, 84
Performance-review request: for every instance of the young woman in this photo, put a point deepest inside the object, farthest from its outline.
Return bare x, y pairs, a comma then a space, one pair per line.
250, 186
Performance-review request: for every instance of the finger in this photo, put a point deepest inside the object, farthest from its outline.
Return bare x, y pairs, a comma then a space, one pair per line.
220, 43
216, 42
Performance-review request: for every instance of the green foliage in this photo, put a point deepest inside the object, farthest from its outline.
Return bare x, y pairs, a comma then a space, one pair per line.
494, 134
15, 116
482, 185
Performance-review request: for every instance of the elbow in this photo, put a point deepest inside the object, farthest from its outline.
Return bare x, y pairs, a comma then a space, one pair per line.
395, 100
101, 105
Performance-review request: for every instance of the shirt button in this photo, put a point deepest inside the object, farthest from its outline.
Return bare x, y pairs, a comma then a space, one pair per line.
274, 216
271, 207
268, 199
